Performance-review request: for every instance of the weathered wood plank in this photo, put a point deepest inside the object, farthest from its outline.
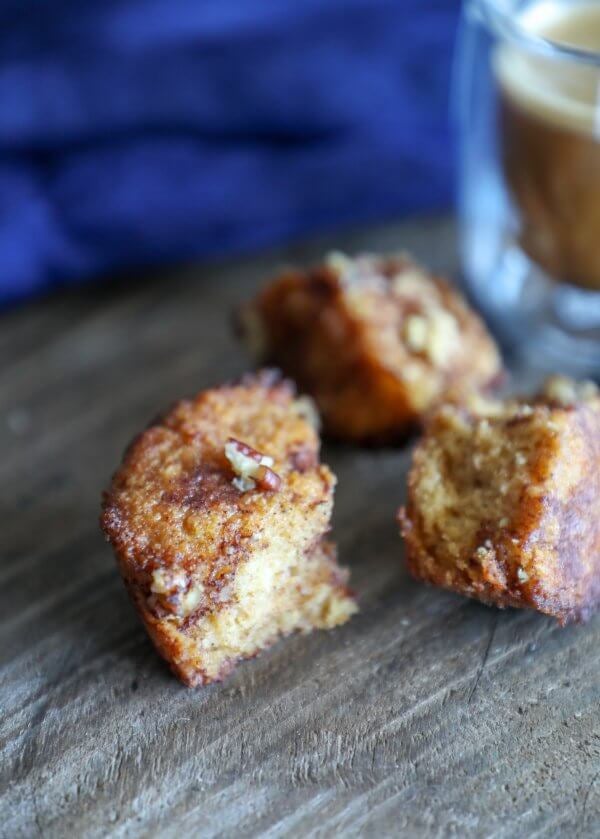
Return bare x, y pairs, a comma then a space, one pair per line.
426, 715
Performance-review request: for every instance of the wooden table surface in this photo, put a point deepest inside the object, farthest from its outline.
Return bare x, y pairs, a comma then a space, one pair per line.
426, 715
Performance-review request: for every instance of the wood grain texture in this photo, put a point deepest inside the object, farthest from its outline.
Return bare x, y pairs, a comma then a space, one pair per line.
426, 715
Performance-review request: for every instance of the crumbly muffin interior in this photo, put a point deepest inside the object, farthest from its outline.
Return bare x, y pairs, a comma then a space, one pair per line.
277, 591
502, 501
472, 474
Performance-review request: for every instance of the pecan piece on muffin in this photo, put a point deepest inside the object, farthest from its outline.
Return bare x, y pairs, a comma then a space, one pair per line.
504, 501
218, 516
376, 341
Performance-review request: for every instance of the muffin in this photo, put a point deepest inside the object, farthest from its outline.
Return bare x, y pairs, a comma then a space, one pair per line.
218, 516
376, 341
504, 501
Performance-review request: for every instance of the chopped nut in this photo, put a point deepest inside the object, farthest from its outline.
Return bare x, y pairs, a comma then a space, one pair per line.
485, 551
267, 479
566, 392
173, 470
244, 484
522, 575
409, 283
434, 333
165, 581
191, 600
415, 332
171, 591
443, 336
561, 390
252, 469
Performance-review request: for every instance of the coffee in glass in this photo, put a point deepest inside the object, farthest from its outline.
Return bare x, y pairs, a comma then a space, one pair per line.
528, 93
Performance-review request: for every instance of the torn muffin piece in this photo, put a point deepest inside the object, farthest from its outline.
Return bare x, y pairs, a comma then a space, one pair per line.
375, 340
218, 518
504, 501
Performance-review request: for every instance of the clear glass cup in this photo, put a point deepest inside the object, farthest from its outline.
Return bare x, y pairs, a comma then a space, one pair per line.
527, 103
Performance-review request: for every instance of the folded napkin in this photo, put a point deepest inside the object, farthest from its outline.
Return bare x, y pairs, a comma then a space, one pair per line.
135, 132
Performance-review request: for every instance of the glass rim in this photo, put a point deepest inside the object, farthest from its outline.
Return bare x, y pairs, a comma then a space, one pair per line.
506, 24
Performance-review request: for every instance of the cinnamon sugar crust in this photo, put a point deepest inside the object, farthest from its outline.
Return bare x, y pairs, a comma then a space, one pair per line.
218, 516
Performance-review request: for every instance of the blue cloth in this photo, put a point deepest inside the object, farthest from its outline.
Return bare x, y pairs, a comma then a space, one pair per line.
141, 131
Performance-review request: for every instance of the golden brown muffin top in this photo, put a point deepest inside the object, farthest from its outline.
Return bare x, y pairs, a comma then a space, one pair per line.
397, 300
213, 479
412, 324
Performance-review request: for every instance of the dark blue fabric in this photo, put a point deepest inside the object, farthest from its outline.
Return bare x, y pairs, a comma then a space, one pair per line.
141, 131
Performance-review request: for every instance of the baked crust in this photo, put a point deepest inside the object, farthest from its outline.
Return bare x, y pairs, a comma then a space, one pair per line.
376, 341
504, 502
217, 516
